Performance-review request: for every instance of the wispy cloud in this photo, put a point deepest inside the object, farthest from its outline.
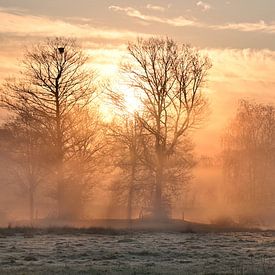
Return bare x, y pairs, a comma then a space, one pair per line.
181, 21
203, 5
13, 10
29, 25
242, 65
157, 7
177, 21
260, 26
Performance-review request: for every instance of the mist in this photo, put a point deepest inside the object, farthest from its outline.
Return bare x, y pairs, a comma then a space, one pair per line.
78, 150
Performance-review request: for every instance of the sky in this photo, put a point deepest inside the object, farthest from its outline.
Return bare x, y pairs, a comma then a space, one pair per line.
238, 36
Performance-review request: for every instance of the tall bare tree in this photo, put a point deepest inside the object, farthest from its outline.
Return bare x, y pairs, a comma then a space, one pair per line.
249, 162
168, 78
54, 82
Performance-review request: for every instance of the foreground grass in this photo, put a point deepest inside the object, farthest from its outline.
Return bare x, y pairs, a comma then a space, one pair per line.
28, 230
239, 270
67, 250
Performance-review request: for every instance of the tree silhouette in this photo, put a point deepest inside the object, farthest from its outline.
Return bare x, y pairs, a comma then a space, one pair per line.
168, 78
54, 84
248, 155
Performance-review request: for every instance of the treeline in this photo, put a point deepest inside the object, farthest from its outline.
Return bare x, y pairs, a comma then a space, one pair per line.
56, 137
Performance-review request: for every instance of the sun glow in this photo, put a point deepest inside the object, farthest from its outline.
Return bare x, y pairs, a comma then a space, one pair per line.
132, 101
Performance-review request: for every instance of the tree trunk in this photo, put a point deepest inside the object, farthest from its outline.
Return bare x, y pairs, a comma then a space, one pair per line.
60, 192
130, 204
59, 151
131, 191
158, 209
31, 205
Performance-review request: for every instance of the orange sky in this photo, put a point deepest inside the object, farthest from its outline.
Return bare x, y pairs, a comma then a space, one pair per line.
240, 44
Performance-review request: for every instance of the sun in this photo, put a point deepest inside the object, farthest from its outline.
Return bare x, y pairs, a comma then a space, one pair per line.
132, 101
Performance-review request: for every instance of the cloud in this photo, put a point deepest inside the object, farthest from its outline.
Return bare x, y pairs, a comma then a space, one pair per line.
41, 26
181, 21
13, 10
242, 65
176, 22
260, 26
203, 5
156, 7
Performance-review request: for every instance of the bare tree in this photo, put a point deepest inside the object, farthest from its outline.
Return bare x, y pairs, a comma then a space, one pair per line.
168, 78
53, 83
248, 155
25, 157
